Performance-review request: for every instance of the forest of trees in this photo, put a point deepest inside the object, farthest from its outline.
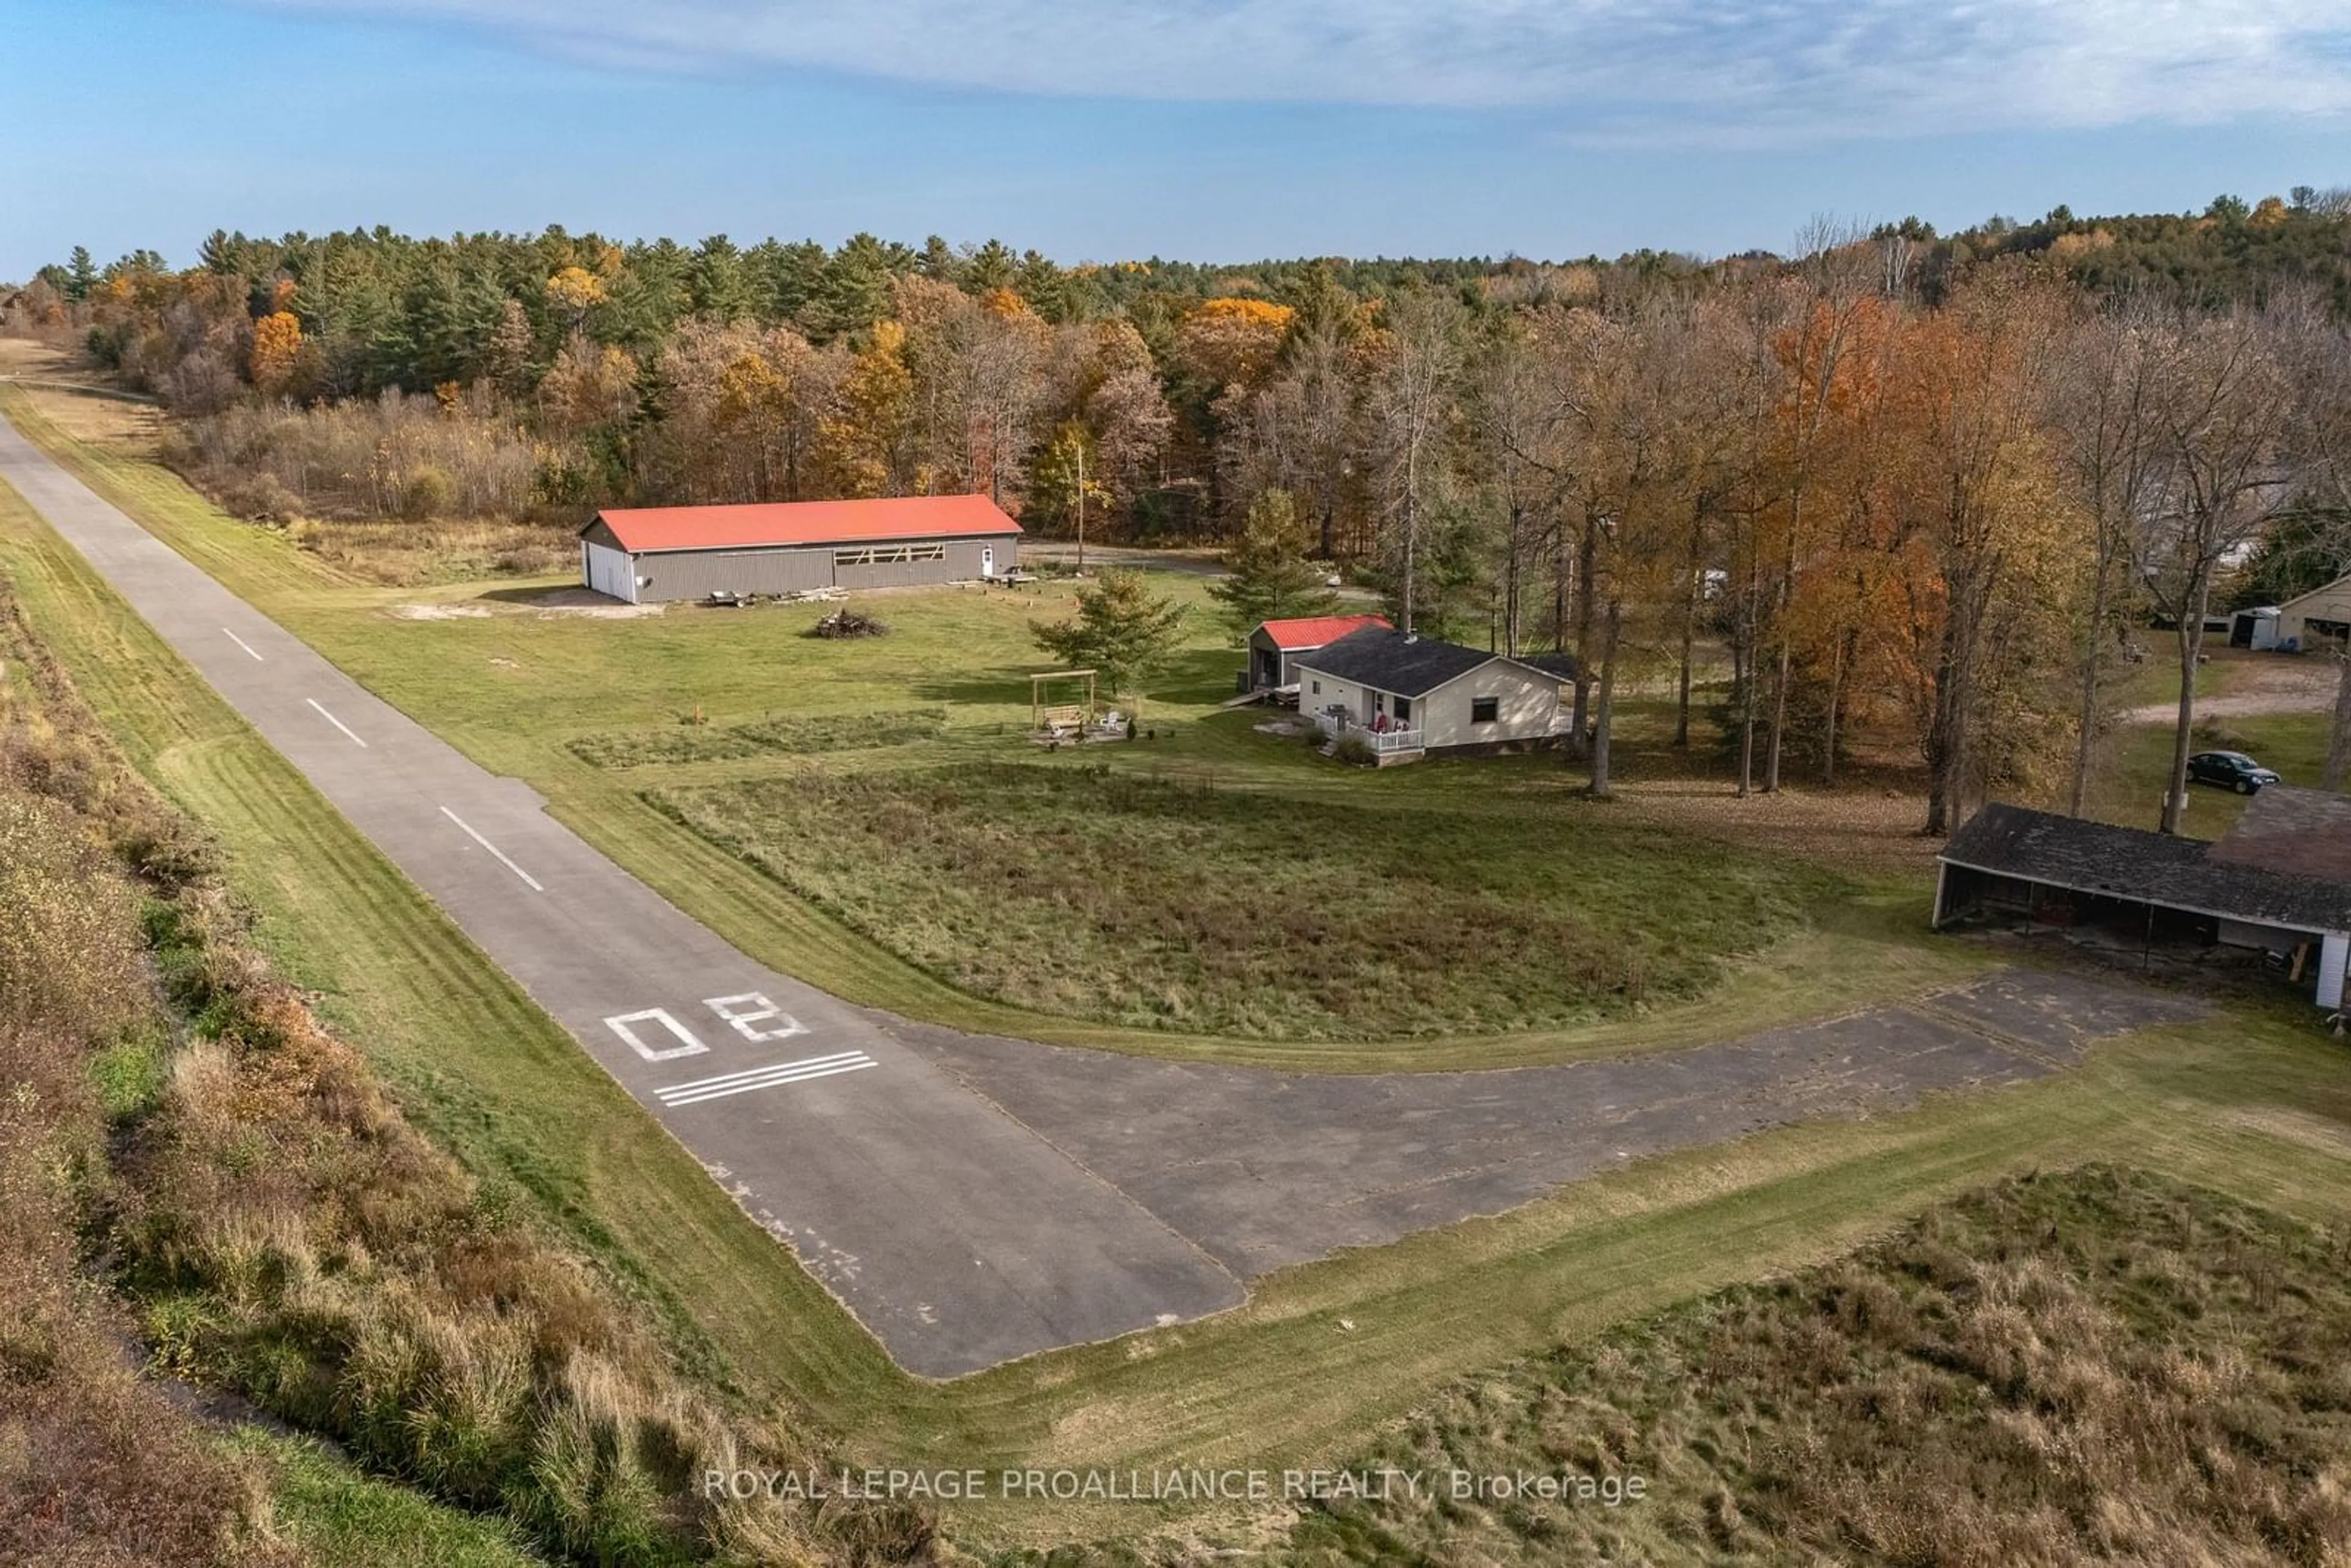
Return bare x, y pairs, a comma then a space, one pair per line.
1910, 481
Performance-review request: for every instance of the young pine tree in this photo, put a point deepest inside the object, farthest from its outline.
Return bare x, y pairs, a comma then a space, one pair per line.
1119, 630
1269, 575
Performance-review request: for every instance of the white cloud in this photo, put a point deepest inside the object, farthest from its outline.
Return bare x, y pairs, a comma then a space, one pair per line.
1781, 69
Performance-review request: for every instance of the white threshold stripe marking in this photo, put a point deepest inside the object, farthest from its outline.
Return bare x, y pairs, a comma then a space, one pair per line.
330, 718
775, 1083
243, 643
762, 1072
534, 881
768, 1078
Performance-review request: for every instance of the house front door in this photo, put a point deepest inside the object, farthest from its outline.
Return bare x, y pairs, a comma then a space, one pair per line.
987, 560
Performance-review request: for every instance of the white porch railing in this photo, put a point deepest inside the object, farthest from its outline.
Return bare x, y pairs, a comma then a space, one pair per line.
1403, 742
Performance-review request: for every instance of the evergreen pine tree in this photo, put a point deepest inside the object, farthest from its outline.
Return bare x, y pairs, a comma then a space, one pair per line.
1268, 577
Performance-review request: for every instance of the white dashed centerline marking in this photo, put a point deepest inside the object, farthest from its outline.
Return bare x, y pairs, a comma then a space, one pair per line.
244, 645
330, 718
771, 1077
493, 848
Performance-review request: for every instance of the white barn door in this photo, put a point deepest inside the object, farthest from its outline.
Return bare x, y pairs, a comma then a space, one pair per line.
612, 571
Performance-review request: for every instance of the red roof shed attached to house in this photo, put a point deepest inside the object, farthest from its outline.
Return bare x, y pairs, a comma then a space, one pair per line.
1273, 644
653, 554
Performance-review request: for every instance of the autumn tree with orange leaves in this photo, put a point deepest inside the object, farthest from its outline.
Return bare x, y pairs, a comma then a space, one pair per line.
276, 345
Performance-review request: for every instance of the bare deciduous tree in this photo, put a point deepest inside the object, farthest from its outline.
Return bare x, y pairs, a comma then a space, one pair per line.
1419, 359
2223, 410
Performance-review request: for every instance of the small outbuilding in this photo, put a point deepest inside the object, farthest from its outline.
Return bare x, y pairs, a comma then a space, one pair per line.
1411, 697
653, 555
1274, 646
2258, 888
2259, 629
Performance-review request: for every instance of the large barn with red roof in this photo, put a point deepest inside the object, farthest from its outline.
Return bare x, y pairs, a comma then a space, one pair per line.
654, 555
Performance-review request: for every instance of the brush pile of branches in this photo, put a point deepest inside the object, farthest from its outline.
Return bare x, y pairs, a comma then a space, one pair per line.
848, 623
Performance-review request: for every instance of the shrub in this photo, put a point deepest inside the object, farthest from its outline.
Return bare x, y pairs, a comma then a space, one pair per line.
1355, 749
263, 498
426, 493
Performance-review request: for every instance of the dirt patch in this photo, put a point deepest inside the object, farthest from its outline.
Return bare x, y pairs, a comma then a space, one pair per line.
587, 602
2262, 683
439, 611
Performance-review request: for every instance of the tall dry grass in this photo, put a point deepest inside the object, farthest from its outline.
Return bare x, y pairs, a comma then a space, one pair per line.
283, 1232
97, 1468
2097, 1367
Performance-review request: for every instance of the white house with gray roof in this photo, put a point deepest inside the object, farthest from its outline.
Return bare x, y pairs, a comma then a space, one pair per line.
1411, 697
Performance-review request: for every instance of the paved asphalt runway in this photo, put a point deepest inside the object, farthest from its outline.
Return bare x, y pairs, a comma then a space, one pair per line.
973, 1199
955, 1235
1267, 1169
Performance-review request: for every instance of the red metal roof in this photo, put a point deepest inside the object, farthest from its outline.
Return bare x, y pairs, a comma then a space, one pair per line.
805, 522
1317, 631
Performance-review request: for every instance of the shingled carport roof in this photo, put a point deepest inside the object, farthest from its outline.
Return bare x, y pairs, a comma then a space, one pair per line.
2143, 867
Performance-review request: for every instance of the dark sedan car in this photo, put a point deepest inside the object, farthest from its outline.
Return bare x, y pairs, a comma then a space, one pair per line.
2230, 769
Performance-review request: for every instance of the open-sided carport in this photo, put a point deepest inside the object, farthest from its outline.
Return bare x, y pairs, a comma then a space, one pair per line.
2157, 887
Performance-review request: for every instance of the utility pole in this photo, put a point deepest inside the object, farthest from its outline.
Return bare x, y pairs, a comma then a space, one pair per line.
1081, 506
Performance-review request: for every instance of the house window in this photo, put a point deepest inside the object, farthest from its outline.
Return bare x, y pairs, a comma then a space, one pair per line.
1485, 710
1404, 707
1317, 688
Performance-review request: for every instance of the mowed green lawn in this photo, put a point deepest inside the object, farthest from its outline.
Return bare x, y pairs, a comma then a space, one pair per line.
1166, 903
2256, 1104
2129, 789
672, 742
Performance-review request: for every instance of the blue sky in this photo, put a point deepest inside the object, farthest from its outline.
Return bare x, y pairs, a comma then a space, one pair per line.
1216, 130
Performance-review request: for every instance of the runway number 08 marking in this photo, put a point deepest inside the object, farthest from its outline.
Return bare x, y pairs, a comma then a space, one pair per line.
623, 1024
750, 1015
751, 1011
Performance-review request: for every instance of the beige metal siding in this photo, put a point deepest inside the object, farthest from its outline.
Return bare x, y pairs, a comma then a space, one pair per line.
1527, 701
2331, 603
